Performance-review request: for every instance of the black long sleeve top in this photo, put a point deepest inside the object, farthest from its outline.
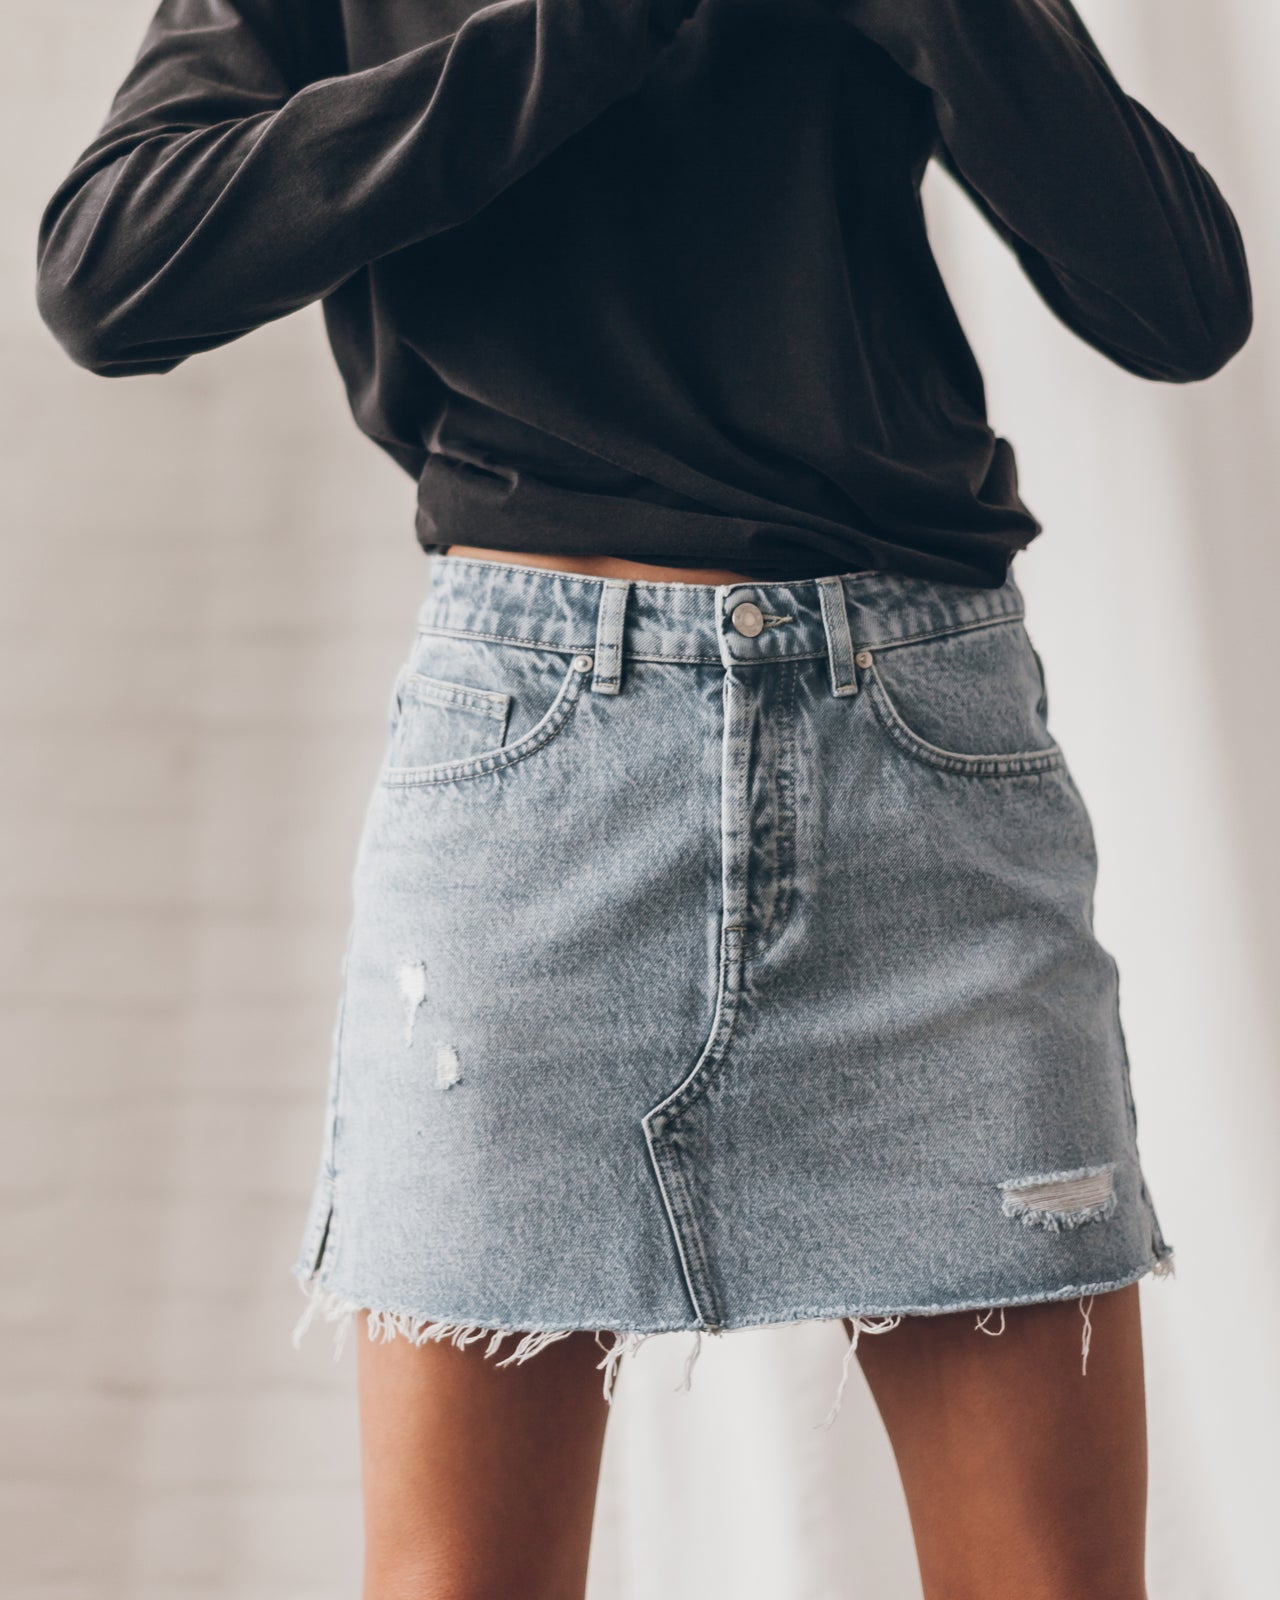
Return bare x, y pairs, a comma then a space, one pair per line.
645, 277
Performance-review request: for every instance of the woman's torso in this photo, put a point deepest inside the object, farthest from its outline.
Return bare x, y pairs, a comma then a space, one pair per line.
707, 329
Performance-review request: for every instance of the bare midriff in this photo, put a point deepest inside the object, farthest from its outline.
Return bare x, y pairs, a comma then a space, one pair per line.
602, 566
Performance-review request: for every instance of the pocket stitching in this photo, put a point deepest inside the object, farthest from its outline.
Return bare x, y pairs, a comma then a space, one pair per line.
1016, 763
944, 631
443, 692
552, 722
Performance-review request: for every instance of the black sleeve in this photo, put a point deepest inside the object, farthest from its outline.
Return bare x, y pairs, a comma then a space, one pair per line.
231, 184
1121, 230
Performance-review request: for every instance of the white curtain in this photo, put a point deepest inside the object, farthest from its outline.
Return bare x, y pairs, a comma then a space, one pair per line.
208, 580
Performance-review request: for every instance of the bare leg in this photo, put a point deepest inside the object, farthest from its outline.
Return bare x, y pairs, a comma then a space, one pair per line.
1025, 1480
479, 1481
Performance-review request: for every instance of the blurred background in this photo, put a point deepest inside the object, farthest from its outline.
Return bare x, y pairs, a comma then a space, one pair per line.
208, 581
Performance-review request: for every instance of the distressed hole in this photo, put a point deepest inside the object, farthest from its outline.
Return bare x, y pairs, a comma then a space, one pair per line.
447, 1073
413, 986
1061, 1199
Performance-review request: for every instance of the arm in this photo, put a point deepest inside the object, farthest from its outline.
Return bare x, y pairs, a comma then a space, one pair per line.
232, 183
1118, 226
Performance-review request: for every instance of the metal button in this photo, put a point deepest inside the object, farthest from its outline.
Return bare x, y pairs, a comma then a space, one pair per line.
747, 618
584, 663
863, 658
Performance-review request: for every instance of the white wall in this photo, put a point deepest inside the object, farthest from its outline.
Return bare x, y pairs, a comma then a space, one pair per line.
208, 579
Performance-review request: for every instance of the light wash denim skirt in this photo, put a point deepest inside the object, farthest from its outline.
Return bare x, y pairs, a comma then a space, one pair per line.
720, 956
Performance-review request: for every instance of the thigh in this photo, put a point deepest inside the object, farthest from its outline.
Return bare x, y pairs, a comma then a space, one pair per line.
1025, 1476
478, 1480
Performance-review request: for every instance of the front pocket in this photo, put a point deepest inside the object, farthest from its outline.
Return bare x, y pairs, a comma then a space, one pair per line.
418, 731
970, 701
436, 720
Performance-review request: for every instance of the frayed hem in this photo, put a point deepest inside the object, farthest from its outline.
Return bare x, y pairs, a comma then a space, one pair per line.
385, 1325
1161, 1267
331, 1306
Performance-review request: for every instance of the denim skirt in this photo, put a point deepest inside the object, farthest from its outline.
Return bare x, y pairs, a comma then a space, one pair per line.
720, 956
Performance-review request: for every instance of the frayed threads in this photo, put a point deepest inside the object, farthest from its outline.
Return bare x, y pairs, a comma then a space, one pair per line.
694, 1351
333, 1307
1060, 1200
860, 1325
1057, 1221
1086, 1337
385, 1325
624, 1344
1085, 1302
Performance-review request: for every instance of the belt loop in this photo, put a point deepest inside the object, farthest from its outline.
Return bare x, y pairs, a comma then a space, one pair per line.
610, 622
835, 624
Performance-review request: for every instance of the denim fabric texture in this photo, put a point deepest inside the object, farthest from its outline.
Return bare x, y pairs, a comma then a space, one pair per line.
720, 956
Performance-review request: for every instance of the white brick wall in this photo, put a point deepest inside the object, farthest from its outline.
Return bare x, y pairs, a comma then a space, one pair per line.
207, 581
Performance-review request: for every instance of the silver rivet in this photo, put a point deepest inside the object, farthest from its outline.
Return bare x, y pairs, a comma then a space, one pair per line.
584, 663
747, 618
863, 658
